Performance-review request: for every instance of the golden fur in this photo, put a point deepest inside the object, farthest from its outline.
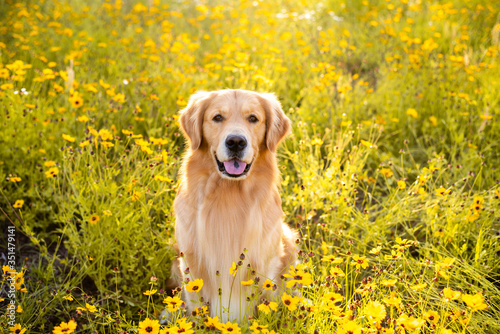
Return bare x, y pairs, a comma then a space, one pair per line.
217, 216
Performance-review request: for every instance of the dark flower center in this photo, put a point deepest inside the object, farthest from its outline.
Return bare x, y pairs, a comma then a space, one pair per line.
149, 329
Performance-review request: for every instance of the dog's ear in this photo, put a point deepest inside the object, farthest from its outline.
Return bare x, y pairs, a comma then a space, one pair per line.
191, 118
277, 124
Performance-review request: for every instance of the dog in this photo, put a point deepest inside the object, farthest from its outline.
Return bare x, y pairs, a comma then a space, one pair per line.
228, 200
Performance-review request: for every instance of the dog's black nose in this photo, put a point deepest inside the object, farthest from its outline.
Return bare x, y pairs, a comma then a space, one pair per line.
236, 143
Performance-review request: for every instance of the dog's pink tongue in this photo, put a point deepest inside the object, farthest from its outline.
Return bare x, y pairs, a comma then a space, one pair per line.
235, 166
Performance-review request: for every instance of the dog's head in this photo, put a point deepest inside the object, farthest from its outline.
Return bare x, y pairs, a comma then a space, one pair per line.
234, 126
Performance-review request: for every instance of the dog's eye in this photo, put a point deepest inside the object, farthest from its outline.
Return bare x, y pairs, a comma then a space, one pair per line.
218, 118
253, 119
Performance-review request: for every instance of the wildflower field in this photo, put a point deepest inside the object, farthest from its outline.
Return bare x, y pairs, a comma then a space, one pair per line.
390, 174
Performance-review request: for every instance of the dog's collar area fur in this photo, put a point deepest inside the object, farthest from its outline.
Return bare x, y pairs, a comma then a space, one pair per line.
222, 169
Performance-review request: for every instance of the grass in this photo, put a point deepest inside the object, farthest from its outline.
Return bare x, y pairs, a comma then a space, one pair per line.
390, 174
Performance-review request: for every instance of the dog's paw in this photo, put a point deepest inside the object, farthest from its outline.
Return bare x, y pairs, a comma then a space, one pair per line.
167, 317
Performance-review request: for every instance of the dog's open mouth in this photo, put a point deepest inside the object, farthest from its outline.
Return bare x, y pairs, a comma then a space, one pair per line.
233, 168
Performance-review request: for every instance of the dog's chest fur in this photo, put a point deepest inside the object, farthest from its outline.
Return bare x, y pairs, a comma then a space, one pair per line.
251, 214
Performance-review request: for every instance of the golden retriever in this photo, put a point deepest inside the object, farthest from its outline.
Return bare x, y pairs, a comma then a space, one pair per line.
228, 198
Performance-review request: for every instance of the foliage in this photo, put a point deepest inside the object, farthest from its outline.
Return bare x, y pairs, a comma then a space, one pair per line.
390, 174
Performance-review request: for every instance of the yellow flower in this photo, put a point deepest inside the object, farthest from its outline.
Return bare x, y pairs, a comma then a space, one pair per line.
257, 329
412, 112
149, 326
419, 287
350, 327
105, 134
82, 118
290, 301
70, 298
173, 303
65, 328
324, 246
267, 306
317, 141
19, 309
389, 282
4, 73
49, 163
15, 179
68, 138
230, 328
333, 297
268, 284
52, 172
413, 323
451, 294
375, 311
135, 196
7, 86
247, 283
18, 204
149, 292
158, 141
446, 331
103, 84
195, 286
212, 323
199, 311
84, 143
120, 98
401, 184
433, 120
76, 101
442, 191
393, 300
94, 219
297, 275
184, 326
336, 272
394, 256
375, 250
486, 117
17, 329
360, 261
332, 259
386, 172
90, 308
431, 316
19, 280
475, 302
366, 143
233, 270
107, 144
